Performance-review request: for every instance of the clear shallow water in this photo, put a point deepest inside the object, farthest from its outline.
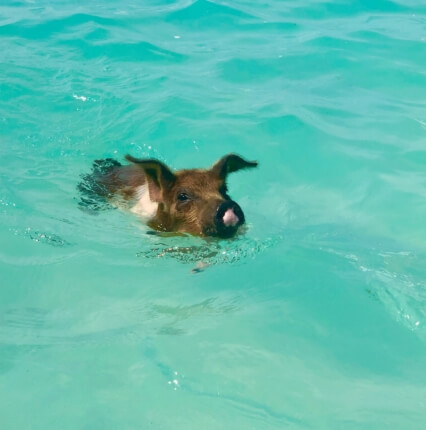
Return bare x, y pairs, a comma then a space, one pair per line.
316, 317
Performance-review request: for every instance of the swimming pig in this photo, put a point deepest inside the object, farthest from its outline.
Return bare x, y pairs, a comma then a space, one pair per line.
193, 201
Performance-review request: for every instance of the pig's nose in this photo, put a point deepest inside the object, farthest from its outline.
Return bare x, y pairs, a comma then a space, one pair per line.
229, 215
230, 219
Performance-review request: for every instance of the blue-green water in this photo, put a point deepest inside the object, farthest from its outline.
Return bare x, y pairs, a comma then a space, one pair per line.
316, 318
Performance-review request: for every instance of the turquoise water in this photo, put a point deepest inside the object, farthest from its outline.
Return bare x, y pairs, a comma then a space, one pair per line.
316, 317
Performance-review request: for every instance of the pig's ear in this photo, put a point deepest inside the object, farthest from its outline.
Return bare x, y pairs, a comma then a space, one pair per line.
159, 177
231, 163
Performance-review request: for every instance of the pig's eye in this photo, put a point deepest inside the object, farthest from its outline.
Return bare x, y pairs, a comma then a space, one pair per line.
182, 197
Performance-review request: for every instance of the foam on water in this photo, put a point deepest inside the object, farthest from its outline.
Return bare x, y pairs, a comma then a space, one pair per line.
315, 316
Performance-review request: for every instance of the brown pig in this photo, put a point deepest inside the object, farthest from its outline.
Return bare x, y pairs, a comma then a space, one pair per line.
193, 201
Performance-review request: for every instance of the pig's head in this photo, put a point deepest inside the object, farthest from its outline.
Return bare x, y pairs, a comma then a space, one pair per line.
194, 201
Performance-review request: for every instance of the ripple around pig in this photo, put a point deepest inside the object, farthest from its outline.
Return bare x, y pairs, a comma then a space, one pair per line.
212, 253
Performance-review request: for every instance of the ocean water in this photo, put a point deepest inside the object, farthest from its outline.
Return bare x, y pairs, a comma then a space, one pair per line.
315, 318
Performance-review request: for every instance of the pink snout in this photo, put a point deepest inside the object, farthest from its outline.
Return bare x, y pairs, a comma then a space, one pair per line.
230, 219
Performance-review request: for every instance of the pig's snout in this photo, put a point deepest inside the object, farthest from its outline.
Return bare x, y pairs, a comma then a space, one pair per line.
229, 217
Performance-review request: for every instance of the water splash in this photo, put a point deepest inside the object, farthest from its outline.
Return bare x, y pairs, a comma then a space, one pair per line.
42, 237
212, 253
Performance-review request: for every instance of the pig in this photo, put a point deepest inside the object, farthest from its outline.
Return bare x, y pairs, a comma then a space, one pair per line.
189, 201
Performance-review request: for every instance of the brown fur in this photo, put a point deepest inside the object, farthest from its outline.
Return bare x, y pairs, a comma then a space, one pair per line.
187, 199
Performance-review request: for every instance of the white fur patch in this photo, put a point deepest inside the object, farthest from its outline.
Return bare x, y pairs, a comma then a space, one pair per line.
144, 206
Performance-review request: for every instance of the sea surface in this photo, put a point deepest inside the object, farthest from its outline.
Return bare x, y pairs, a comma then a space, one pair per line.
315, 318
